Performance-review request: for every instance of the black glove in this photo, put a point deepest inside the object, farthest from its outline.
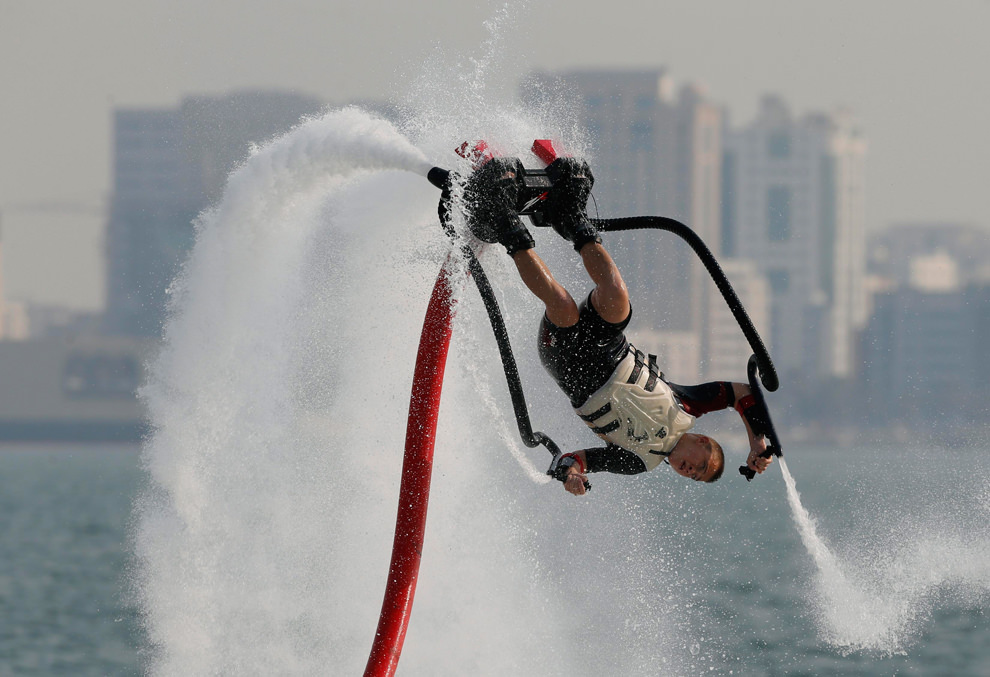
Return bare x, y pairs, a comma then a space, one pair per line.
567, 202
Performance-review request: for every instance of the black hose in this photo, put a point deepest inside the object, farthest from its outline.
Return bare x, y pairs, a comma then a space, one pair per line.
529, 437
768, 374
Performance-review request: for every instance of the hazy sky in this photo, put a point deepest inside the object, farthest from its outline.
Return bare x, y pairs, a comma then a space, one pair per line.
909, 69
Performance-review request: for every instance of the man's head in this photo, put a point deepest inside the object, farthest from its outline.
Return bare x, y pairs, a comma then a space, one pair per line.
697, 457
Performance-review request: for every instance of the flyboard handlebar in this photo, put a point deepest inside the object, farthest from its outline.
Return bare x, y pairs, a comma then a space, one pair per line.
768, 431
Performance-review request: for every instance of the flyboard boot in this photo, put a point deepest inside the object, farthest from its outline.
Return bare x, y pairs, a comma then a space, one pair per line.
500, 190
491, 194
565, 208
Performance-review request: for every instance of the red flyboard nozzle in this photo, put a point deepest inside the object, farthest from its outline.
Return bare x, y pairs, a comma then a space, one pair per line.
543, 149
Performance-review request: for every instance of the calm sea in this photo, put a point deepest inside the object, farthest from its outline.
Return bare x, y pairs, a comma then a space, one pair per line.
63, 555
914, 524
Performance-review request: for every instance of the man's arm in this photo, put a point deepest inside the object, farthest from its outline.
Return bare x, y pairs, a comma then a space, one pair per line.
611, 458
707, 397
754, 419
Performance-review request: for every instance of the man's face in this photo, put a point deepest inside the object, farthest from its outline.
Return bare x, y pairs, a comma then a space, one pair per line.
691, 457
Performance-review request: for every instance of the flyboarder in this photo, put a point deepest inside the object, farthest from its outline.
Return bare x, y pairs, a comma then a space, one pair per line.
617, 390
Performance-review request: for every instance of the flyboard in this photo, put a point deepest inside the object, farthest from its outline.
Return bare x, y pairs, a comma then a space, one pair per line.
534, 186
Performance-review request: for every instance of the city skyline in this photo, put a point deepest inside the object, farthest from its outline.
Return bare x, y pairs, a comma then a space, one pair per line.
907, 72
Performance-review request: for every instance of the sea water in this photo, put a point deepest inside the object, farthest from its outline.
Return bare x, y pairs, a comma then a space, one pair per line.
756, 608
64, 511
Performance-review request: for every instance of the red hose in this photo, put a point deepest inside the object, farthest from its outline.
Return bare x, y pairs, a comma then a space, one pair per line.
414, 491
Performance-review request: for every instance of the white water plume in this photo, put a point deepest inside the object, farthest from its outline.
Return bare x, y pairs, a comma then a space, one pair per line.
278, 404
233, 530
879, 605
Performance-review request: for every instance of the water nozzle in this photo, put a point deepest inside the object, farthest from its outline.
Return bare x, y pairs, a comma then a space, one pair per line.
438, 177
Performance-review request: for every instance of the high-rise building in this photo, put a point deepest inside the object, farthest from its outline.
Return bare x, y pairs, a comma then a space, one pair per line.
924, 355
3, 298
169, 164
728, 350
793, 192
14, 324
894, 252
150, 221
925, 351
652, 153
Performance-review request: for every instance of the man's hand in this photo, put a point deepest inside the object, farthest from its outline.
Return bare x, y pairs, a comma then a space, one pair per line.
575, 481
756, 460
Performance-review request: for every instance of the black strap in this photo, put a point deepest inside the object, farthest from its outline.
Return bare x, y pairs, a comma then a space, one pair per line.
655, 375
594, 416
648, 361
638, 369
607, 428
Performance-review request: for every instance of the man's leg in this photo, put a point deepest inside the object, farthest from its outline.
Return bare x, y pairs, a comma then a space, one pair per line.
566, 211
610, 296
494, 219
562, 311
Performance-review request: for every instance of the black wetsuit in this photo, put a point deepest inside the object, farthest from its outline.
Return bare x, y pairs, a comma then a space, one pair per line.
581, 358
